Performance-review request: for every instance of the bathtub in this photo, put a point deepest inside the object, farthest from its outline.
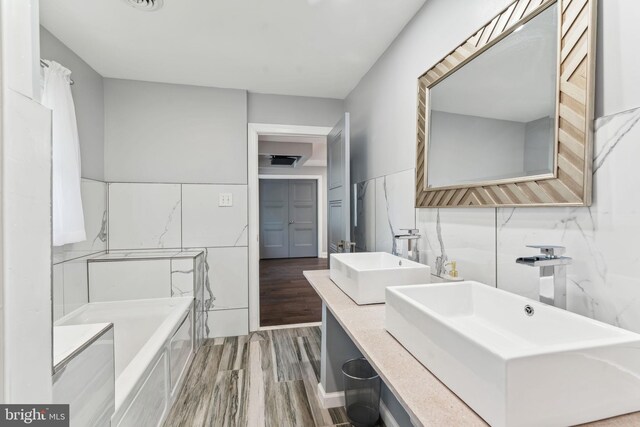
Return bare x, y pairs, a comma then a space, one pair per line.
153, 346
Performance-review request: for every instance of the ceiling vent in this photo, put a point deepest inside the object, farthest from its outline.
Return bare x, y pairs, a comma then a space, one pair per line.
148, 5
284, 160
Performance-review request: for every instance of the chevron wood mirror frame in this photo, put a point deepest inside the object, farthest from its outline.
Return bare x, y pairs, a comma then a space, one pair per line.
571, 183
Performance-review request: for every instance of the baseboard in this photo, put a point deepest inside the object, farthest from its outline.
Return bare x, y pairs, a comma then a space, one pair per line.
322, 255
336, 400
330, 400
387, 416
290, 326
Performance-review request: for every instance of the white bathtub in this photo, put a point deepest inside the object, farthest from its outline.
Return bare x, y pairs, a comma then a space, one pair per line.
153, 348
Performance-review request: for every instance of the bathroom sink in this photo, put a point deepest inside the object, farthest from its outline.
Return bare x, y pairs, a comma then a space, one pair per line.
515, 361
364, 276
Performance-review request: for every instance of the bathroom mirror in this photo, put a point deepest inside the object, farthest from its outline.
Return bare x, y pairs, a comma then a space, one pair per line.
505, 118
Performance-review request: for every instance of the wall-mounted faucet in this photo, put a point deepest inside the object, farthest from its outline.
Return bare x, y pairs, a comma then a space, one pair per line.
553, 268
406, 245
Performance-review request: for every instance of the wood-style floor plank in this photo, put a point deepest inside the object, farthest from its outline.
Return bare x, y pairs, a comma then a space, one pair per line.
268, 378
285, 295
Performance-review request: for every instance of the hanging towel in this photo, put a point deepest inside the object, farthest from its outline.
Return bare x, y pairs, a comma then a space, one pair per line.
68, 218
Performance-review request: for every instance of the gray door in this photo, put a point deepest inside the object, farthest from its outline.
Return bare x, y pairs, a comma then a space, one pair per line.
303, 219
288, 218
274, 218
338, 177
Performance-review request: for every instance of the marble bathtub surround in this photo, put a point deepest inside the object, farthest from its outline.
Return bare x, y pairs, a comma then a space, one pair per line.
205, 224
145, 216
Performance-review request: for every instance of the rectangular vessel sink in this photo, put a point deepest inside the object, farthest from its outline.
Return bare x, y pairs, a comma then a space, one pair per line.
364, 276
515, 361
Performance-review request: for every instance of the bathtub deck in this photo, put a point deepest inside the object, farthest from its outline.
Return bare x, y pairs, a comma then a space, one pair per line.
268, 378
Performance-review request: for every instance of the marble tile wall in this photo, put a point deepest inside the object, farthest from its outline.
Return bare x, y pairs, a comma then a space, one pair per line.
188, 216
384, 206
70, 285
603, 281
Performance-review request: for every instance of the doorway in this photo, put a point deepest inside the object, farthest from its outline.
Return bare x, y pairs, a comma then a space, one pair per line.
278, 292
288, 218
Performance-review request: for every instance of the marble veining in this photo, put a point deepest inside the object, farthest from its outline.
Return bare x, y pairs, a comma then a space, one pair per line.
603, 281
102, 234
167, 226
241, 235
605, 147
394, 207
364, 227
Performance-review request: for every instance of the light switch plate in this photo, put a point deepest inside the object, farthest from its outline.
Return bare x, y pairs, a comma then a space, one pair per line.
225, 199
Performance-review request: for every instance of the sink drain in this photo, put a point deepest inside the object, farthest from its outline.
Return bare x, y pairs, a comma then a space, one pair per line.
528, 310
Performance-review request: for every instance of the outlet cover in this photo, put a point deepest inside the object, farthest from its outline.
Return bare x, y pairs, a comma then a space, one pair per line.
225, 199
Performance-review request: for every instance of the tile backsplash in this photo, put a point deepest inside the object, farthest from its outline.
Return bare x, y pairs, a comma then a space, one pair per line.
603, 281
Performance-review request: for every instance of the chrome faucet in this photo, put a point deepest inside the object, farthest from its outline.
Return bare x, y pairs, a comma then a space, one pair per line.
408, 243
553, 267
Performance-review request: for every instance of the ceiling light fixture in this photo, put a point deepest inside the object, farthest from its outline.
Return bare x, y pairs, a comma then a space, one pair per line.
147, 5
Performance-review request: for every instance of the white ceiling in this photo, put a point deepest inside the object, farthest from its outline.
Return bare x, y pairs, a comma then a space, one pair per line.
293, 47
513, 80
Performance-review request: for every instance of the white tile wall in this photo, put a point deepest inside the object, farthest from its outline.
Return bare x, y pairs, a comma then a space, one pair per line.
466, 236
364, 227
94, 205
182, 276
603, 280
205, 224
227, 323
229, 277
144, 216
125, 280
394, 207
58, 291
76, 288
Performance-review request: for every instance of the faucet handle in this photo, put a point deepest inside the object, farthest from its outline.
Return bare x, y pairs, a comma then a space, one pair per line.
549, 250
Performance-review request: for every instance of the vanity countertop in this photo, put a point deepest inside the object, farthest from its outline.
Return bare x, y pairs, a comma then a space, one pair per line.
427, 400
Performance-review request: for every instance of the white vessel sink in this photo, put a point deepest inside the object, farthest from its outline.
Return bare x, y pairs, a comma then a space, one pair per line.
364, 276
551, 368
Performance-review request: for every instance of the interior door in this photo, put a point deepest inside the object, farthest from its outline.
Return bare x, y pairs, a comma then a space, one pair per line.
274, 218
303, 218
338, 183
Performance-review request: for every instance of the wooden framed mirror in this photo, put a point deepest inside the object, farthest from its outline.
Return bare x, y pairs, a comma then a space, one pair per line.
505, 119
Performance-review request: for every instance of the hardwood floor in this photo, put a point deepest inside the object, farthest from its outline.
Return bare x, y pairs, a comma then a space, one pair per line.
268, 378
285, 295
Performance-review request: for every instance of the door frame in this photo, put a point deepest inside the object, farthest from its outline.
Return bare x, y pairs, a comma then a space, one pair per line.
319, 204
254, 130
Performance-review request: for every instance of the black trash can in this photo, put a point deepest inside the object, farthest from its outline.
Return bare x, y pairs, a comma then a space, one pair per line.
361, 392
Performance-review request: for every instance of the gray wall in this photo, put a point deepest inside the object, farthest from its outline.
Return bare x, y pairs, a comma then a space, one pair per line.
159, 132
88, 96
294, 110
337, 348
383, 104
538, 145
469, 148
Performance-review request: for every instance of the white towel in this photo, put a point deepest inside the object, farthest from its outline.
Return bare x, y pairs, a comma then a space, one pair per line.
68, 218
